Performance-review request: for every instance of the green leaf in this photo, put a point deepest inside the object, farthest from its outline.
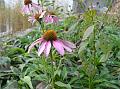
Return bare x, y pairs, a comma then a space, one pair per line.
73, 80
12, 85
82, 46
13, 52
72, 28
65, 72
105, 57
41, 77
109, 85
4, 60
88, 32
4, 64
57, 72
15, 70
60, 84
27, 80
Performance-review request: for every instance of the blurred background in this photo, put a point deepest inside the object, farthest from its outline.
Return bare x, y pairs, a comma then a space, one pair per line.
11, 20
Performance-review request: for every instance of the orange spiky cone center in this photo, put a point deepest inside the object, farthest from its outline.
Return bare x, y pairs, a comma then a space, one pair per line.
37, 16
50, 35
27, 2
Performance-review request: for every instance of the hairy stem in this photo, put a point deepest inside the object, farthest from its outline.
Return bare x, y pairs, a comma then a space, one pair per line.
52, 74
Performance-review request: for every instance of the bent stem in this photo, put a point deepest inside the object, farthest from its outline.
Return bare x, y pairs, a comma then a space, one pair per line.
52, 74
41, 25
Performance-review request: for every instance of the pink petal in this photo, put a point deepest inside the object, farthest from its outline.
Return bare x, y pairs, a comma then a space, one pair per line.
26, 9
36, 6
31, 19
42, 14
58, 46
67, 48
34, 43
48, 19
51, 19
47, 49
55, 19
23, 10
69, 44
41, 48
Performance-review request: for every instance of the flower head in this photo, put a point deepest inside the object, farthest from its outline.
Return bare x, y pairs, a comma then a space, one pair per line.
36, 17
50, 39
27, 2
51, 18
28, 6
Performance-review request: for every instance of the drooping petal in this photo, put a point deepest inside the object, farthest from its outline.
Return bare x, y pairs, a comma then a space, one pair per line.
26, 9
59, 47
48, 19
36, 6
42, 14
23, 10
67, 48
34, 43
69, 44
47, 48
42, 48
31, 19
55, 19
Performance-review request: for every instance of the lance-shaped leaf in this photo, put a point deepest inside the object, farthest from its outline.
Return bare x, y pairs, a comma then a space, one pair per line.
27, 80
61, 84
88, 32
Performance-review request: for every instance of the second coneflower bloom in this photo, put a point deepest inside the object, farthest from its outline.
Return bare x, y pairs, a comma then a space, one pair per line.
50, 39
36, 17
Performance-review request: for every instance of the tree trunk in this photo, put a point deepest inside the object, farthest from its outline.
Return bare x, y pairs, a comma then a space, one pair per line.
2, 16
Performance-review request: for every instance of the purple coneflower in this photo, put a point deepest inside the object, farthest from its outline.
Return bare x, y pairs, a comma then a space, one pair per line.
28, 5
50, 39
36, 17
51, 18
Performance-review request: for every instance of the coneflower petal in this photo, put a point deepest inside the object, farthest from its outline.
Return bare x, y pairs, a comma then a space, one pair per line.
23, 10
34, 43
42, 48
36, 6
31, 19
42, 14
48, 19
47, 48
26, 9
55, 19
67, 48
58, 46
69, 44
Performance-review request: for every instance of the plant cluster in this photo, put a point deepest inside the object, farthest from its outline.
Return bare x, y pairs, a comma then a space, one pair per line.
93, 62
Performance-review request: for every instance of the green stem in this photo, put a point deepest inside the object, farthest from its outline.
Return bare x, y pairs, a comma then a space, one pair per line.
52, 74
94, 58
94, 46
42, 26
90, 83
